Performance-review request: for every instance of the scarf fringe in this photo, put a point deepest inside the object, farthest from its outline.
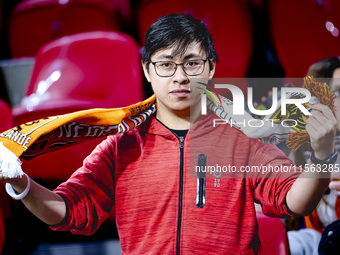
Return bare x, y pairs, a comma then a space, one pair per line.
321, 91
10, 165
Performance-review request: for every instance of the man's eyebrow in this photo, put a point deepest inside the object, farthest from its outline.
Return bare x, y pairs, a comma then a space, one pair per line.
192, 55
165, 56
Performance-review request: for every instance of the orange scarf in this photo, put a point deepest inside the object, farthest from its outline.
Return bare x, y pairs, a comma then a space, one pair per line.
49, 134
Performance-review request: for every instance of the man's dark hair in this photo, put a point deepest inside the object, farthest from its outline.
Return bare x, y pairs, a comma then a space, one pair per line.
324, 68
178, 30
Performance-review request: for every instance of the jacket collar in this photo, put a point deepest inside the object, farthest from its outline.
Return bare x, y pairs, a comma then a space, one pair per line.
154, 127
202, 126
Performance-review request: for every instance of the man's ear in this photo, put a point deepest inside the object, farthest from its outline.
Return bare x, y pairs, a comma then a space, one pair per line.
146, 72
212, 71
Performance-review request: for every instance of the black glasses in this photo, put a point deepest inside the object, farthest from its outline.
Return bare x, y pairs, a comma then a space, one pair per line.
190, 67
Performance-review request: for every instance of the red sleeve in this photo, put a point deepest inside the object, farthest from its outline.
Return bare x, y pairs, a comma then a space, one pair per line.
89, 193
275, 178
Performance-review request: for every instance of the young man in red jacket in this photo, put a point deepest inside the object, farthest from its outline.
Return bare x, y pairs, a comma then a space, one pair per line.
144, 175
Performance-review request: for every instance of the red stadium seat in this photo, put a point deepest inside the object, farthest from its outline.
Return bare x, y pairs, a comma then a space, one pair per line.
273, 235
304, 32
82, 71
228, 21
77, 72
6, 116
33, 23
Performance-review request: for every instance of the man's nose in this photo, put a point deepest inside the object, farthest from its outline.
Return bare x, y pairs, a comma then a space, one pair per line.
180, 76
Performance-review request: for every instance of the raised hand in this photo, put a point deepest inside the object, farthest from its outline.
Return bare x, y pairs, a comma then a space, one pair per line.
321, 127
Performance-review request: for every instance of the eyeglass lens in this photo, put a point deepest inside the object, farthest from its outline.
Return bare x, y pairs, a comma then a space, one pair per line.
168, 68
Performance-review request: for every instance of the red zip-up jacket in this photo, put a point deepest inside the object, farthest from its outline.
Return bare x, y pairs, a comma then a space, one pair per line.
148, 177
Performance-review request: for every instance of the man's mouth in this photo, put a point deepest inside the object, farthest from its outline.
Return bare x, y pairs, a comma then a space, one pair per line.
180, 92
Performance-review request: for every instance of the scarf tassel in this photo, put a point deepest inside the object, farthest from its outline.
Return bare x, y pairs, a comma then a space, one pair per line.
10, 165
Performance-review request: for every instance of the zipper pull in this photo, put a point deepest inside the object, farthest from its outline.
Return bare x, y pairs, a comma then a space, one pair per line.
201, 180
181, 140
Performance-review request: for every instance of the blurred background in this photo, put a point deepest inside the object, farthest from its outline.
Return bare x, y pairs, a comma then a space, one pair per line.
60, 56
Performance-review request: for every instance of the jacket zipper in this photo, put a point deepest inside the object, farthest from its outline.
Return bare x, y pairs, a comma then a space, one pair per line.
201, 181
178, 247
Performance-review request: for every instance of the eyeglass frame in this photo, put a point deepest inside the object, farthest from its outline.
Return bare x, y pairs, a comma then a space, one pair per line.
180, 64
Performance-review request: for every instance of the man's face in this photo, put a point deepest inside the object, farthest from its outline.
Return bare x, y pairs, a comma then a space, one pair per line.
174, 93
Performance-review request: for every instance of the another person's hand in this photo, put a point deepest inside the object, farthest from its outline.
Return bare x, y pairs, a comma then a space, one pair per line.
335, 184
321, 127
